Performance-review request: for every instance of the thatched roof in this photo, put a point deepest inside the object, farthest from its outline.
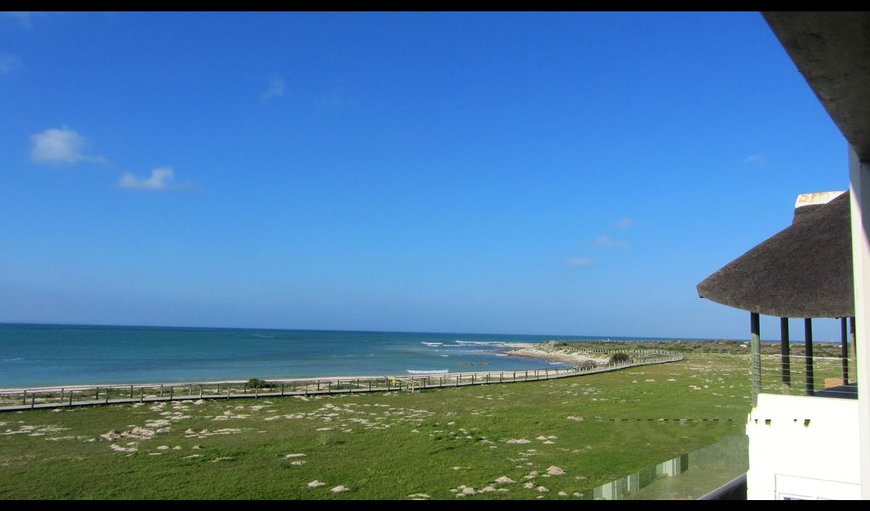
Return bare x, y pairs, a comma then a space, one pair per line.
804, 271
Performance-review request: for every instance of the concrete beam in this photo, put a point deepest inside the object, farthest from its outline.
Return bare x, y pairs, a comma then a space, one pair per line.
832, 52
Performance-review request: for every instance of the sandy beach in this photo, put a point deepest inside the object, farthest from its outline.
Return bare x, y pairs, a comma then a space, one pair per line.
535, 350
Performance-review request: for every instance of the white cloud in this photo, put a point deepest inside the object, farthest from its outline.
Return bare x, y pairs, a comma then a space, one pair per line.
578, 262
162, 178
65, 146
275, 90
606, 241
60, 146
8, 63
624, 223
755, 160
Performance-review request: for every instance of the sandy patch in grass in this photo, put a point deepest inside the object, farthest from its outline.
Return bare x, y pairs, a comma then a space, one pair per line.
191, 433
28, 430
135, 432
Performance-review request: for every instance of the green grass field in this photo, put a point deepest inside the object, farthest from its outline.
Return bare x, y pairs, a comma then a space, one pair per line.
398, 445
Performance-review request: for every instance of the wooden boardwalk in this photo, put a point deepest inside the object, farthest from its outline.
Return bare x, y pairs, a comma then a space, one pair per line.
56, 397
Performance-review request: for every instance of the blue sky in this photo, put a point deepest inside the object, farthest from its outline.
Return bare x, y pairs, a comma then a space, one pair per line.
539, 173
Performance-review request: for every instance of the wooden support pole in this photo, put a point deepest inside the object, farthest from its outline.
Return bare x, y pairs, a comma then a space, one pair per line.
844, 348
786, 356
755, 354
852, 335
808, 340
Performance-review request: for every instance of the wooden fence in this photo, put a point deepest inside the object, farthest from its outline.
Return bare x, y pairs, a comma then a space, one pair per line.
54, 397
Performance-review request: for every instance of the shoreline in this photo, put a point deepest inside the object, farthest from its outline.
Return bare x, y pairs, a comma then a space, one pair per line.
534, 350
520, 350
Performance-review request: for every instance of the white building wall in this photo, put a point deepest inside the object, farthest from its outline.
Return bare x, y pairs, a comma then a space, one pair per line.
860, 186
803, 447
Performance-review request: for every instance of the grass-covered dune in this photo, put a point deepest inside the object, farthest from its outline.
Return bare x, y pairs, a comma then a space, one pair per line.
820, 349
554, 439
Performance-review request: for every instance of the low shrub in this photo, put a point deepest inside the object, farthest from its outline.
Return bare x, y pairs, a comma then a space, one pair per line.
256, 383
620, 358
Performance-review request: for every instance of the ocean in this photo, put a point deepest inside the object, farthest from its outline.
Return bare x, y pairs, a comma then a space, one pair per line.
56, 355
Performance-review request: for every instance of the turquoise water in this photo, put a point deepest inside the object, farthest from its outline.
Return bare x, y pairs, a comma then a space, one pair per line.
48, 355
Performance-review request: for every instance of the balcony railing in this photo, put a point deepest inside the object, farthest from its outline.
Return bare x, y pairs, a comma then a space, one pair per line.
803, 368
823, 373
712, 472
